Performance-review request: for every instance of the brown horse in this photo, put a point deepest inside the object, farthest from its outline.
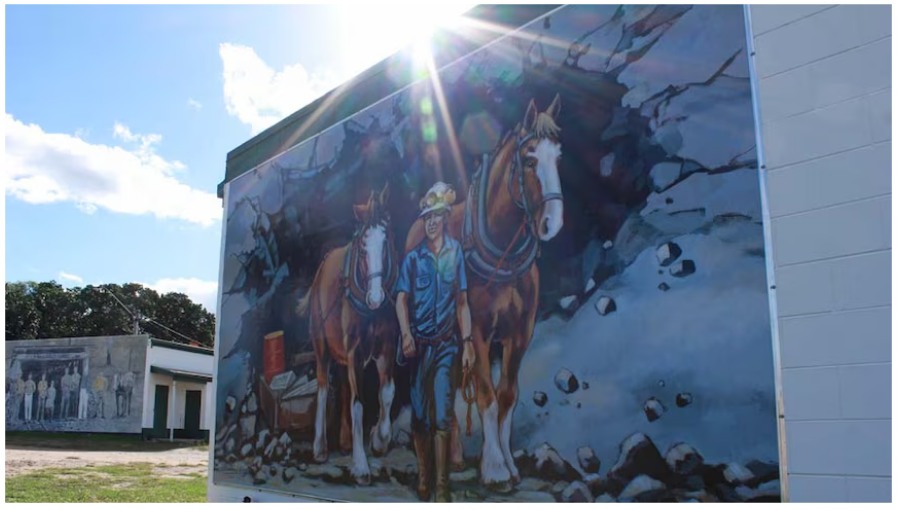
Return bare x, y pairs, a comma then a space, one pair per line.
352, 323
513, 203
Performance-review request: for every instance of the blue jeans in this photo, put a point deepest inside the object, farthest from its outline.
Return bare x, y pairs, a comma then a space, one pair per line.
433, 391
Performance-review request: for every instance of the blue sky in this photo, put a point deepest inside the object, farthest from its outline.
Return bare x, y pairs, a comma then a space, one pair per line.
118, 120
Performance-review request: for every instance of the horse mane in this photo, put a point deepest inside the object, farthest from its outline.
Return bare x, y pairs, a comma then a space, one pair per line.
506, 137
546, 126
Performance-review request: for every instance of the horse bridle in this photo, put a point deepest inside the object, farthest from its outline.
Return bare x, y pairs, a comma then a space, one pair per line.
483, 257
518, 168
351, 275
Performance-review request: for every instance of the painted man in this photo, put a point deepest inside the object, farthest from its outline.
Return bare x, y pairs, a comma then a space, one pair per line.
10, 398
434, 319
20, 396
41, 396
29, 397
50, 405
76, 386
127, 391
101, 385
65, 386
83, 401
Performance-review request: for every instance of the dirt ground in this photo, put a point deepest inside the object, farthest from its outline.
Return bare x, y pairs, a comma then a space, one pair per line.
188, 459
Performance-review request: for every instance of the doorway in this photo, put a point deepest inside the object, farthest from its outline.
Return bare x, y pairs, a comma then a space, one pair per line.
161, 411
192, 414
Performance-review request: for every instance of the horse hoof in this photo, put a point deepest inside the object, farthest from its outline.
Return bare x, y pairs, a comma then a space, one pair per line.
364, 480
320, 458
457, 467
379, 446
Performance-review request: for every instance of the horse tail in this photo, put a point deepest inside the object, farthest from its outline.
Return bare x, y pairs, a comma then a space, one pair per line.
303, 304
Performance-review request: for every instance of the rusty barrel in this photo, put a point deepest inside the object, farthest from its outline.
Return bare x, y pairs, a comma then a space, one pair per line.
273, 355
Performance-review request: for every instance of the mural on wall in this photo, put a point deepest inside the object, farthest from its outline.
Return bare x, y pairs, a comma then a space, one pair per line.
75, 384
538, 275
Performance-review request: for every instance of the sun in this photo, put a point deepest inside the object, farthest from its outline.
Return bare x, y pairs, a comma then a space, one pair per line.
371, 32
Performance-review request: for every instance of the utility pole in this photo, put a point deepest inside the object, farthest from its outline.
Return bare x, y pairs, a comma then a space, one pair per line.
135, 316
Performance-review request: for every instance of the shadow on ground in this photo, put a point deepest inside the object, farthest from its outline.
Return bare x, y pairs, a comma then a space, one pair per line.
92, 442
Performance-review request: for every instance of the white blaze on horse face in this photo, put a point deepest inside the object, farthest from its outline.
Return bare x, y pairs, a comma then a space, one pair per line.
547, 154
375, 243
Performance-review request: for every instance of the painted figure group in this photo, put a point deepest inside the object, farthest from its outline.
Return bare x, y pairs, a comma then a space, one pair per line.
467, 279
26, 394
75, 400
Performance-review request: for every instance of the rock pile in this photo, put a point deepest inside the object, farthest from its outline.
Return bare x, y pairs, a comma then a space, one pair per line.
642, 474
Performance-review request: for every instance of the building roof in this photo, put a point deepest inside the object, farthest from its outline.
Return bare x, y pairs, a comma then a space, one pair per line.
155, 342
181, 375
373, 85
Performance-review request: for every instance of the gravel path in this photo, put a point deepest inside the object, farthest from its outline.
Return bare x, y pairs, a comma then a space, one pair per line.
179, 461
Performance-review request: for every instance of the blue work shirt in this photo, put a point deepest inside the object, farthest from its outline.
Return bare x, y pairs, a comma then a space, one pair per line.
431, 284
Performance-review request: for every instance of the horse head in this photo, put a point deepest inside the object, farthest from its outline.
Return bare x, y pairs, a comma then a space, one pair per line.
537, 164
373, 245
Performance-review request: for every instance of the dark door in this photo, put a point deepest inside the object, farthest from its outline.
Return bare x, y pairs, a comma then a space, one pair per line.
192, 414
161, 411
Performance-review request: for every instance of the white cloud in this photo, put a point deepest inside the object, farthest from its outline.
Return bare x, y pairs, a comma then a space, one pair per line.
199, 291
194, 104
260, 96
70, 277
86, 207
46, 167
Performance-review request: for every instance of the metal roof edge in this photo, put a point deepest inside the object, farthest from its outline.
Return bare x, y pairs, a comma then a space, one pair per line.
156, 342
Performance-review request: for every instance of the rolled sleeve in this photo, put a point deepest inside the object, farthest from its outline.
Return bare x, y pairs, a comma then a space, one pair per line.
405, 276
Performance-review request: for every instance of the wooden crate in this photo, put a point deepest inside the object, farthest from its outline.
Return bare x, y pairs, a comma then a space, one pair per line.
291, 413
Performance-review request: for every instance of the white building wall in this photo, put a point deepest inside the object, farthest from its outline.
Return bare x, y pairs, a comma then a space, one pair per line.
176, 359
150, 396
181, 389
824, 91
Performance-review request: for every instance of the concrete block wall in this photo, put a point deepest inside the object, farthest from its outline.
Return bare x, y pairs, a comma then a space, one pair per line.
824, 91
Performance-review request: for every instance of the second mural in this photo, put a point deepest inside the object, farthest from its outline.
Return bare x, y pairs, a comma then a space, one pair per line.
537, 276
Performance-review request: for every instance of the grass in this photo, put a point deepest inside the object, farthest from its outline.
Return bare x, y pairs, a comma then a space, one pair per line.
121, 483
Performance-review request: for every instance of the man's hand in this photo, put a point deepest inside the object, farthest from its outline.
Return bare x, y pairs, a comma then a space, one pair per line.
408, 345
468, 356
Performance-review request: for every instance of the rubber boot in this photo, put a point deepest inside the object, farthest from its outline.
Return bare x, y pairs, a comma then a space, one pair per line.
441, 461
423, 452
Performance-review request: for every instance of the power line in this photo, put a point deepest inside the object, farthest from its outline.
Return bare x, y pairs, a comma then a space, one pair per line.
168, 328
137, 317
134, 316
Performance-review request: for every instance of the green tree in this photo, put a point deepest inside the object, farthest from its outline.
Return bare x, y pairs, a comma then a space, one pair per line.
47, 310
58, 310
177, 312
102, 314
22, 318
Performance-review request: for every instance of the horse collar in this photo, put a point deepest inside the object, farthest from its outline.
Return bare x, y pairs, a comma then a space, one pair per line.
484, 257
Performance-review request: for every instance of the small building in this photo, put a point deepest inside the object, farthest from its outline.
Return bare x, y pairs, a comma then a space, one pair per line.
128, 384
